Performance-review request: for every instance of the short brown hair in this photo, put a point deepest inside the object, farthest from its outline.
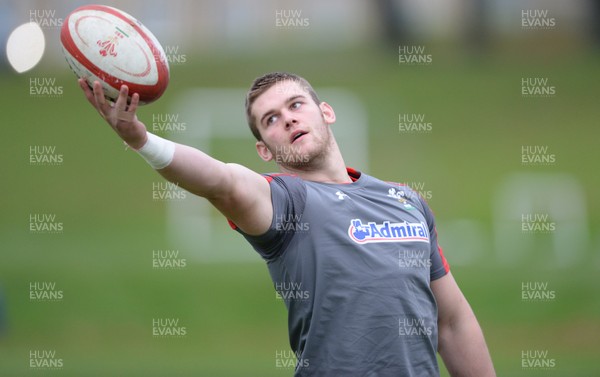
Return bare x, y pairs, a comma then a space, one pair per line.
262, 83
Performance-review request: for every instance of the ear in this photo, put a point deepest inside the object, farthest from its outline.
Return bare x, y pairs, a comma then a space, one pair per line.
328, 113
263, 151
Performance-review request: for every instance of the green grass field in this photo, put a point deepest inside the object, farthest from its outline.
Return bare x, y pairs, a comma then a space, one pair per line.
102, 261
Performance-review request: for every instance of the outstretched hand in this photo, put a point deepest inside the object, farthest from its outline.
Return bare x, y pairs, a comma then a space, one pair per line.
120, 116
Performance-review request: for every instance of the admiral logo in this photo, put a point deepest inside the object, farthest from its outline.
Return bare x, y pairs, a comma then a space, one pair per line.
387, 232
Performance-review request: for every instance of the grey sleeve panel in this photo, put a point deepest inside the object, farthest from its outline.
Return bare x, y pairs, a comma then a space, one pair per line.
288, 196
439, 265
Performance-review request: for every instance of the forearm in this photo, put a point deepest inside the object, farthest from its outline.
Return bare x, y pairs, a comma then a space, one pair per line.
196, 172
463, 348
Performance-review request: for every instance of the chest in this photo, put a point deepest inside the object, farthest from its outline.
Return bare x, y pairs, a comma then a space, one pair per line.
373, 214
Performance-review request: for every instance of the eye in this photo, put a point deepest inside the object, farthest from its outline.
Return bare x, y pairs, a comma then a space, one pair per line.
272, 119
296, 105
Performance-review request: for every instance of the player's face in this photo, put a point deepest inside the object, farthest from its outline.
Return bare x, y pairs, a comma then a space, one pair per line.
295, 130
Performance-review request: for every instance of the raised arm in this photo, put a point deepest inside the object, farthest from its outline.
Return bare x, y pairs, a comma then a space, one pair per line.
242, 195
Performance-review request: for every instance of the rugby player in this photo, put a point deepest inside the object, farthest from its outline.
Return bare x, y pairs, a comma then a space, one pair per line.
355, 259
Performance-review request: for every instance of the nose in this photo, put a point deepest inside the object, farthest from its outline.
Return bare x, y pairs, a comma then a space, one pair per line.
290, 122
290, 119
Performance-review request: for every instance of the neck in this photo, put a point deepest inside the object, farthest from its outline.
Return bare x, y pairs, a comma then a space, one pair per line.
329, 169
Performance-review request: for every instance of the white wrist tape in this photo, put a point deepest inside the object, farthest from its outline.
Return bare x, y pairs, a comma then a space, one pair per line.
158, 152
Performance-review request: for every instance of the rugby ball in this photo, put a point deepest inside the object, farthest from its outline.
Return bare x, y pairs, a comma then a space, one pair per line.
108, 45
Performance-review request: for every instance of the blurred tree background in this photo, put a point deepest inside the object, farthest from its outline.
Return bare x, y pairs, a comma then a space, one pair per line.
488, 108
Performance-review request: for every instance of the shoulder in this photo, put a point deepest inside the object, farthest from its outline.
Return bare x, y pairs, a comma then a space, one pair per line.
287, 187
281, 177
401, 189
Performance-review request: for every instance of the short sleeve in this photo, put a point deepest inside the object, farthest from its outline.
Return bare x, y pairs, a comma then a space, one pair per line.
288, 196
439, 264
